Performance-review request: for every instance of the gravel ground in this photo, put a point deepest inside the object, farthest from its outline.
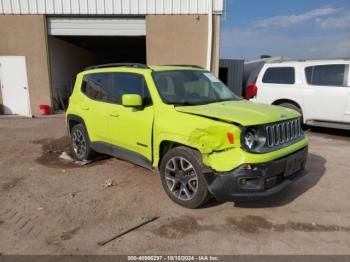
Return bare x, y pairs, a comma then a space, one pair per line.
49, 206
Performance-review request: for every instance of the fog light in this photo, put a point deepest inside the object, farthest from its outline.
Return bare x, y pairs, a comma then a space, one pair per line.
243, 182
253, 183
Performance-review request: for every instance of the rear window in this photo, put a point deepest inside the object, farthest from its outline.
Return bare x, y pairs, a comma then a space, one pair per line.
279, 75
326, 75
97, 86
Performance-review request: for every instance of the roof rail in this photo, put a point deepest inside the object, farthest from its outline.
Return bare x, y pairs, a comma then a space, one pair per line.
134, 65
306, 60
194, 66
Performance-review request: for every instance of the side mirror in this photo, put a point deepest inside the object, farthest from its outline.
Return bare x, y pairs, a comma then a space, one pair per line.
132, 100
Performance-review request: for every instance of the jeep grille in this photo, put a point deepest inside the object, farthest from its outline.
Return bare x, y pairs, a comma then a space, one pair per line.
283, 133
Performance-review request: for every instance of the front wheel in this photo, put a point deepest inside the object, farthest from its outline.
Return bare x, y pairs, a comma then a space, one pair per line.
182, 179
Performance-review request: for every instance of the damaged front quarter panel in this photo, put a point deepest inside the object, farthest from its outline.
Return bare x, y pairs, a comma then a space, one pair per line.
223, 161
214, 140
229, 159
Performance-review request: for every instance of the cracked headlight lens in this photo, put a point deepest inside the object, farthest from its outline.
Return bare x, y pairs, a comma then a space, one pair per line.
253, 139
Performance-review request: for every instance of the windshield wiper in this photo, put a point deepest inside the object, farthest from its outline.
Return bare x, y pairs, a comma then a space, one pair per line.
196, 104
226, 100
186, 103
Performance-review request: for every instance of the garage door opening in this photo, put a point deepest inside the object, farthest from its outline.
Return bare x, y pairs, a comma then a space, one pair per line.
69, 55
78, 42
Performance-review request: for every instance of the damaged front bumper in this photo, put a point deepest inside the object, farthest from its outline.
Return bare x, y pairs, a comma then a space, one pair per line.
257, 180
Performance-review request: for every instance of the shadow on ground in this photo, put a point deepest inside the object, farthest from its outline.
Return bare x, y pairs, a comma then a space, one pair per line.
53, 148
330, 132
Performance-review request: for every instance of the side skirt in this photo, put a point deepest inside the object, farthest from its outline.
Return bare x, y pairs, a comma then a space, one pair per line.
345, 126
121, 153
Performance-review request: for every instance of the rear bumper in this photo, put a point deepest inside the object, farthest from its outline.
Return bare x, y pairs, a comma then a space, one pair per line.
257, 180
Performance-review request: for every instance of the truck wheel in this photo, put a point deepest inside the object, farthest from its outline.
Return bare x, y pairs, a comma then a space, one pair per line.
182, 179
291, 106
81, 143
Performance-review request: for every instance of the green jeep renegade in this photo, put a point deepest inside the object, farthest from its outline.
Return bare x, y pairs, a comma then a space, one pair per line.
184, 122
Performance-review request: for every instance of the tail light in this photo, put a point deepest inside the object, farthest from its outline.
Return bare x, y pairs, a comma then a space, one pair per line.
252, 90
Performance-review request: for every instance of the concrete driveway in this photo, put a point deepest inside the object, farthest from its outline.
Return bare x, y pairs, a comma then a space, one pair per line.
52, 207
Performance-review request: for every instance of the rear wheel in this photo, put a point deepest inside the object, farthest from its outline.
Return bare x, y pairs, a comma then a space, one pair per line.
182, 179
81, 143
291, 106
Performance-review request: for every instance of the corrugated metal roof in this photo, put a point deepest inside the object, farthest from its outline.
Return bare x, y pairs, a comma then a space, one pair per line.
109, 7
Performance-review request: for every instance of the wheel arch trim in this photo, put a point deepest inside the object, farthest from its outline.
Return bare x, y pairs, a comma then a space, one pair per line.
158, 154
293, 102
75, 118
287, 100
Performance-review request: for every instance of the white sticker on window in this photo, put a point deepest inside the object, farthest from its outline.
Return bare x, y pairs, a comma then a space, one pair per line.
212, 78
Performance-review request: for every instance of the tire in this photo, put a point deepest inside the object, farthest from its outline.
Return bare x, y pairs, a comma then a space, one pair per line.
291, 106
81, 143
182, 178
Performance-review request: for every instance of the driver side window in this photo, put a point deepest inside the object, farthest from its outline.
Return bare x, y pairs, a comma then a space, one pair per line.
130, 83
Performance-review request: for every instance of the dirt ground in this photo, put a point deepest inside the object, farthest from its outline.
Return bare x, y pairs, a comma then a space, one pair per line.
48, 206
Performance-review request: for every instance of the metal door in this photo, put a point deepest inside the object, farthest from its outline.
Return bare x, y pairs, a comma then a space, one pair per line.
14, 85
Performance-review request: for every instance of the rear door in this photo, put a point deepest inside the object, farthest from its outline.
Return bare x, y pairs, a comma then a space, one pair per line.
325, 92
96, 105
278, 82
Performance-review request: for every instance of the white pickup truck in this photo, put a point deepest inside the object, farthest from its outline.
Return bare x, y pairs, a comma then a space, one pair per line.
318, 89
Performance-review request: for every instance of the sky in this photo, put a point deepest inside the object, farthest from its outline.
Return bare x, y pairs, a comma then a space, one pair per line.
289, 28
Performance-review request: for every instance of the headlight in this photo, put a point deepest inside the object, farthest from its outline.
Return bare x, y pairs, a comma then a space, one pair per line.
253, 139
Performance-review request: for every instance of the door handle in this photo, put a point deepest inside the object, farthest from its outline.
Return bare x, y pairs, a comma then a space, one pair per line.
84, 107
25, 88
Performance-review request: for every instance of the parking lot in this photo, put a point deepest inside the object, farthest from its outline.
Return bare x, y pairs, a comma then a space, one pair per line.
49, 206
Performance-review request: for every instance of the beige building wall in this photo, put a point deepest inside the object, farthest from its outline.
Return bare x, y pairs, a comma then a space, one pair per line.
177, 39
25, 35
1, 105
182, 39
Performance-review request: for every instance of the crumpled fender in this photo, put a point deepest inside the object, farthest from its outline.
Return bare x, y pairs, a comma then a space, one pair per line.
207, 140
228, 160
212, 138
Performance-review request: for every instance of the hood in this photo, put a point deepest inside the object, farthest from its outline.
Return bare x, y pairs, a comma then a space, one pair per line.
242, 112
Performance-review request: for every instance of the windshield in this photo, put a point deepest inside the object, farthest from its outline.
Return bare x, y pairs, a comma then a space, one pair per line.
191, 87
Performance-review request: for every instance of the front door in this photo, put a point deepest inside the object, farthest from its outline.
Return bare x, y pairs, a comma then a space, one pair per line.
14, 85
131, 128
